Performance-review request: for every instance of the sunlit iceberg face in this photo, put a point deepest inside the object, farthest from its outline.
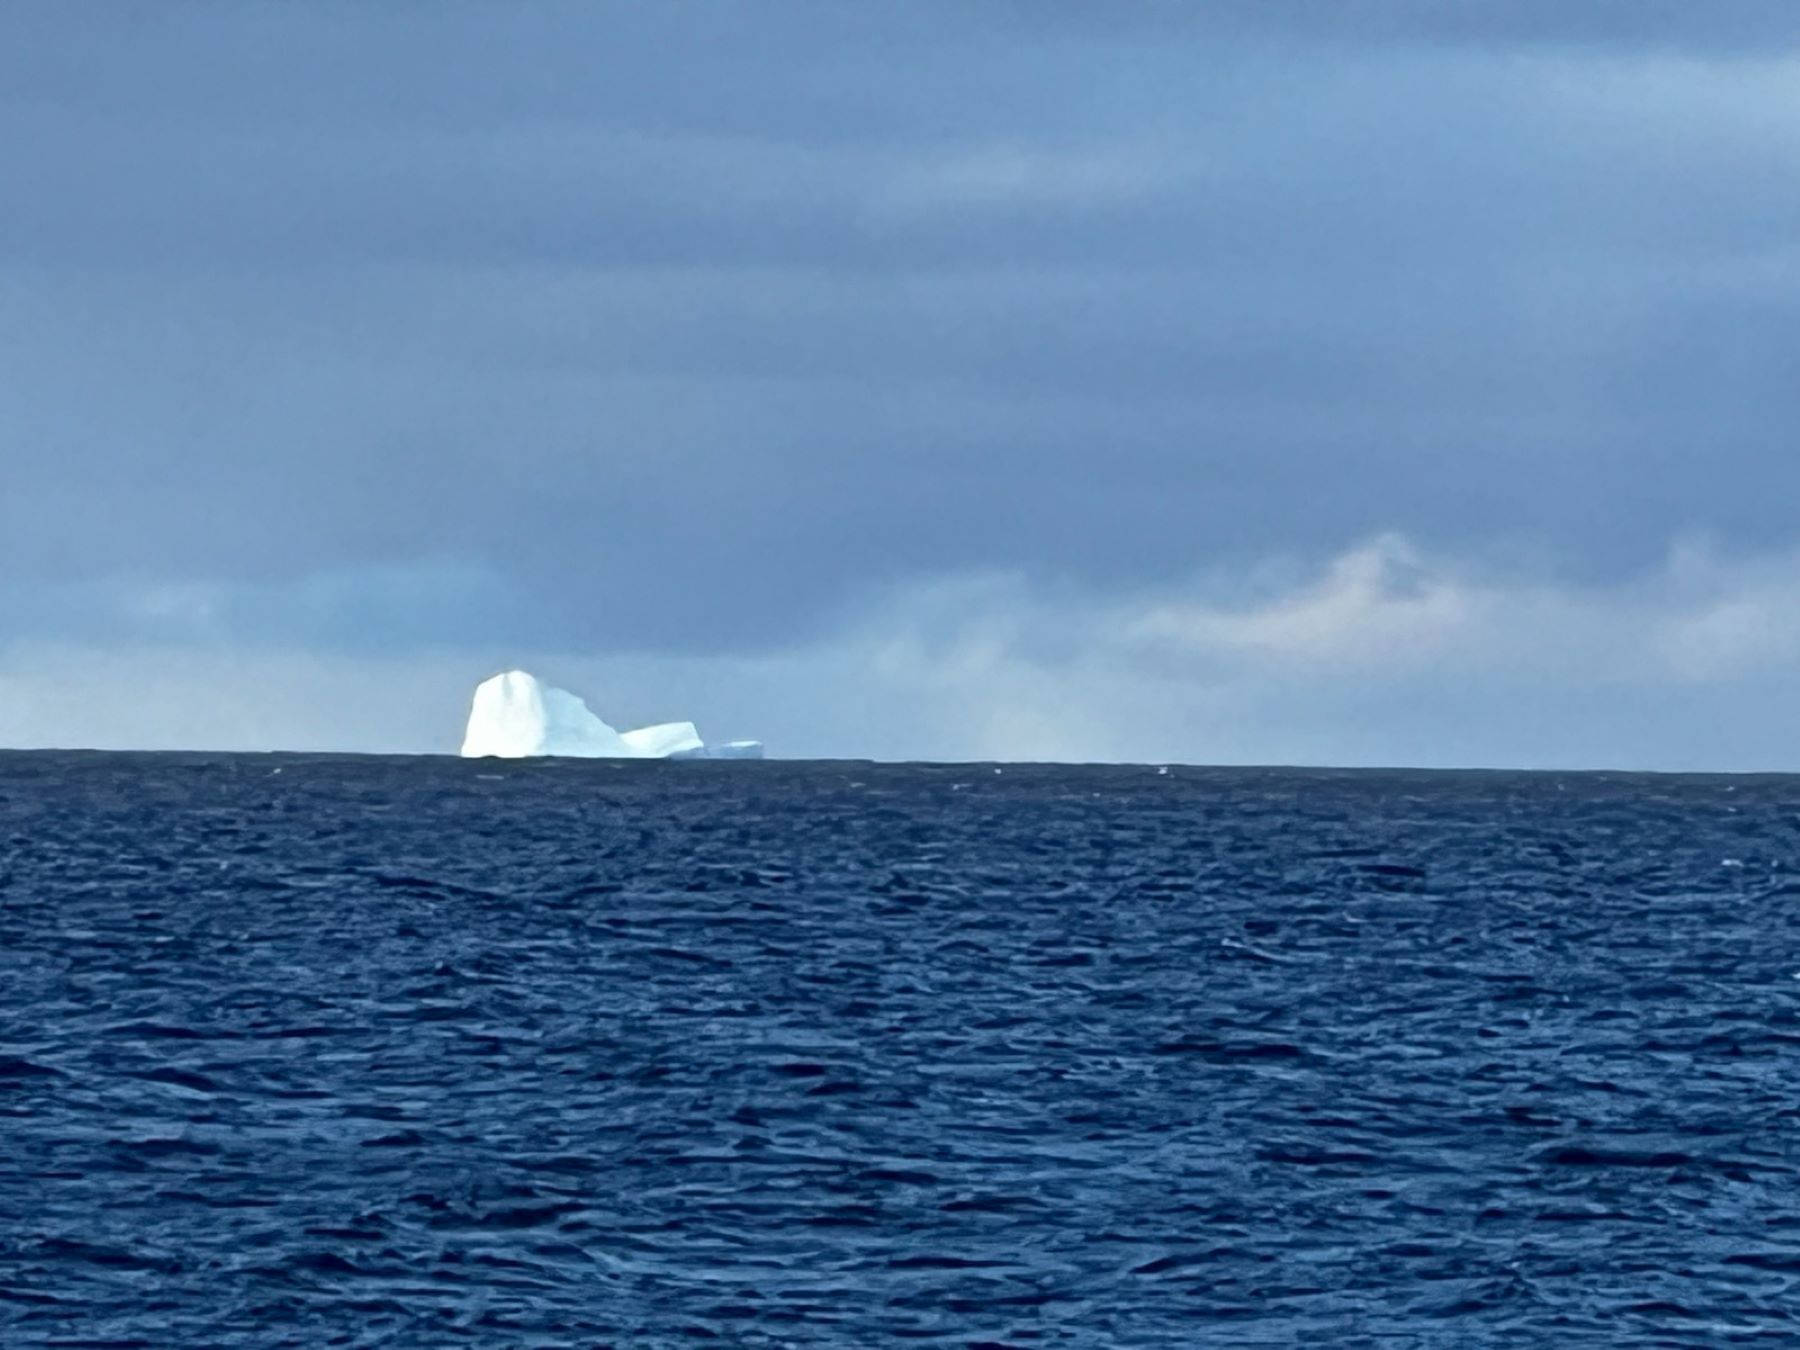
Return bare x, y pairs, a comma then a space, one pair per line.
514, 716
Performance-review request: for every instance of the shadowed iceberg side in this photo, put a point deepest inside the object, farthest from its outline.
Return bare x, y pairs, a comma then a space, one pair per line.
515, 716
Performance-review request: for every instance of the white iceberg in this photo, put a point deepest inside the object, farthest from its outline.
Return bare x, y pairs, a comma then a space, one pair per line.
515, 716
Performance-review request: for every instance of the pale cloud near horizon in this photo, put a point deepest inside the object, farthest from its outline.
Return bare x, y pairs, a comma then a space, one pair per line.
1389, 654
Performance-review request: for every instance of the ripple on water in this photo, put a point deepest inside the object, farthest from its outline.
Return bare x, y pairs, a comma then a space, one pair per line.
408, 1052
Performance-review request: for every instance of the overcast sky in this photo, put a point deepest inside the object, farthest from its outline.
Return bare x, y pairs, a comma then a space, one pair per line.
1366, 382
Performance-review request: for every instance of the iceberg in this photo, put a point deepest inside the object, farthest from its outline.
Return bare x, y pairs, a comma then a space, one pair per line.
514, 715
662, 742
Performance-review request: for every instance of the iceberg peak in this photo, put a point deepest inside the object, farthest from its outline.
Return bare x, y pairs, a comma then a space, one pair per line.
514, 715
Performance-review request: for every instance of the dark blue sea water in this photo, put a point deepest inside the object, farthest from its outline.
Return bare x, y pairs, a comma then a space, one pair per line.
421, 1052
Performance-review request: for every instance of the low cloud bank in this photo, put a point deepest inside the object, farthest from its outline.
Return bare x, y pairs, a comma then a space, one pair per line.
1386, 654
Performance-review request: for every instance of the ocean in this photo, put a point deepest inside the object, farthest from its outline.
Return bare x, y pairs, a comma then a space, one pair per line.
315, 1051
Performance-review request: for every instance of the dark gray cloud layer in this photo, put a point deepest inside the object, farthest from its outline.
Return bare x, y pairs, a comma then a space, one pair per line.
694, 326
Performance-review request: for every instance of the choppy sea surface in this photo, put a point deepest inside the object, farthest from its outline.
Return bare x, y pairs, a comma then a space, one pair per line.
309, 1051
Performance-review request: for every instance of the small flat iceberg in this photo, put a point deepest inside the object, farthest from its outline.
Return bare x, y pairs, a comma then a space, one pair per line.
515, 716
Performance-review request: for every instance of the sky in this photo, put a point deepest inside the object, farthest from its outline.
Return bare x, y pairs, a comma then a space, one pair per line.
1369, 383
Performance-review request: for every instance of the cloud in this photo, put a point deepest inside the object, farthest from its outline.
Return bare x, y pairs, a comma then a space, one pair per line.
1389, 654
1281, 380
1628, 26
1023, 177
1378, 604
